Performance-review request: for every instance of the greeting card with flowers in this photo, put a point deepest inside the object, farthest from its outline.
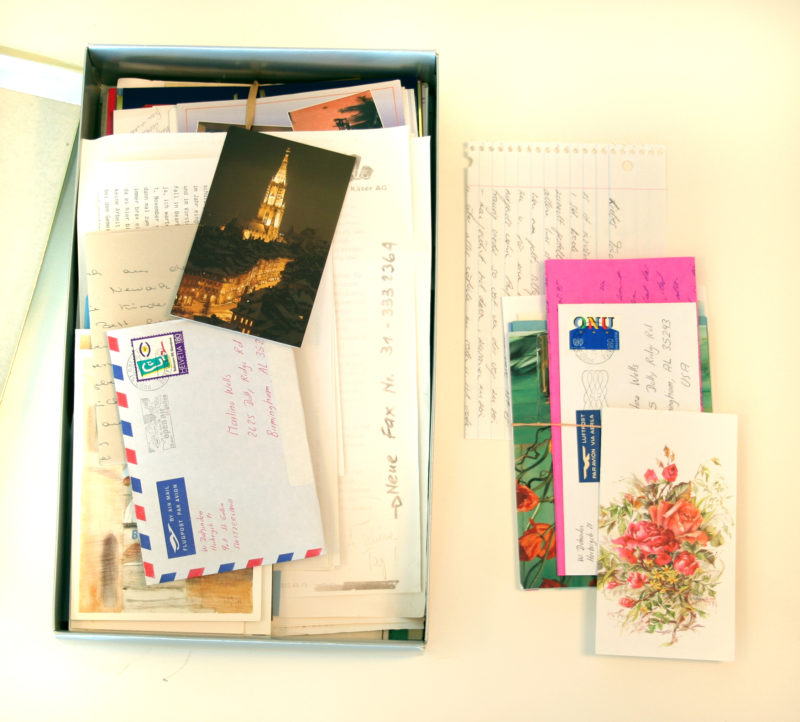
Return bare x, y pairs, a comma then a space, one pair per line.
666, 572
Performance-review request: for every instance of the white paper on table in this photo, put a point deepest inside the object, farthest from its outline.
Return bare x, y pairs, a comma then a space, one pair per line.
131, 279
153, 119
274, 110
37, 135
697, 452
316, 371
423, 264
301, 611
410, 112
366, 628
376, 331
217, 449
122, 175
528, 202
304, 601
657, 366
126, 195
149, 146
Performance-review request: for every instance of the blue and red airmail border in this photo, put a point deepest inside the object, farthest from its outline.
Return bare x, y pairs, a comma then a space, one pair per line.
139, 510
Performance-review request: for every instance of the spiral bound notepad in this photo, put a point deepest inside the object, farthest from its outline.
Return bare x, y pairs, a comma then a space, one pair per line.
530, 202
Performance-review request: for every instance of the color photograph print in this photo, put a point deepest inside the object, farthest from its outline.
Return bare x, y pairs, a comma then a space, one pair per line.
353, 112
264, 236
667, 534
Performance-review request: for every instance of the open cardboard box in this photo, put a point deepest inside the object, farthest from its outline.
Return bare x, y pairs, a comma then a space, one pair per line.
104, 65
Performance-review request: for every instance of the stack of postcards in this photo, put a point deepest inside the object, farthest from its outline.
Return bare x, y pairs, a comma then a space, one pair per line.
623, 479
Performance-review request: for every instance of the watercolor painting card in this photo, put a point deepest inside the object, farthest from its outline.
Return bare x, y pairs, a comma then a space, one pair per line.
666, 576
630, 355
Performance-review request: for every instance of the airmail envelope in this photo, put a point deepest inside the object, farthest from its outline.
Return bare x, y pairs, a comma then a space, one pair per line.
629, 355
216, 447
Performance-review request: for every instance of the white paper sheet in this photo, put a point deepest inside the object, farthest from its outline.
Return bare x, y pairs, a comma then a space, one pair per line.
528, 202
37, 136
377, 334
141, 180
155, 119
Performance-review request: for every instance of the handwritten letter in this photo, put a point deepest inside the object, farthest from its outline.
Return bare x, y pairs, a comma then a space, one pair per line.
527, 203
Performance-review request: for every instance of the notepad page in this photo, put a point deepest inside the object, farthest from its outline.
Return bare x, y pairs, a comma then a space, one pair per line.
530, 202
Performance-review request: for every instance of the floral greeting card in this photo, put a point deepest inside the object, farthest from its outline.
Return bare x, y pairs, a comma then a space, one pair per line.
666, 573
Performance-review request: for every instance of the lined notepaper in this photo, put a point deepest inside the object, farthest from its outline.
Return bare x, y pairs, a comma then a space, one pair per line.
530, 202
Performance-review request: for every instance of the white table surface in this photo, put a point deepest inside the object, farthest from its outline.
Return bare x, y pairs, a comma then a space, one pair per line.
718, 83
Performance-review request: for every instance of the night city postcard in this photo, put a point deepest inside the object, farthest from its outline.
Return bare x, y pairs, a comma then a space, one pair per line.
264, 236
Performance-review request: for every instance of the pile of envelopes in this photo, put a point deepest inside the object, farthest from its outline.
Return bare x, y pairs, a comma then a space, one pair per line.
621, 482
252, 367
623, 479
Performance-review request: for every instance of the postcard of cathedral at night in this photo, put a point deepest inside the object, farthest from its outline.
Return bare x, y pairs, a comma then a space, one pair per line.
264, 236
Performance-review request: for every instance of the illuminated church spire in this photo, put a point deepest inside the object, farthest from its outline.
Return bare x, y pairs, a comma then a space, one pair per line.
271, 210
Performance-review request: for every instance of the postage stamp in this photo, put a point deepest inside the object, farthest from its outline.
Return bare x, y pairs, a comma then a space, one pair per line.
159, 356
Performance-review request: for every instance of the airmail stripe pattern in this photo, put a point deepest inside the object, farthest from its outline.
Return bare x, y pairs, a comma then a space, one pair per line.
130, 455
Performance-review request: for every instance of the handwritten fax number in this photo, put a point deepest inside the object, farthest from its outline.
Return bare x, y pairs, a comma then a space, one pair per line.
387, 276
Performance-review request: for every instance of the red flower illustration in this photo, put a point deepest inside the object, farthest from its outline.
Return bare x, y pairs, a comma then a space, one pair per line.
663, 563
550, 583
537, 541
670, 473
682, 518
645, 539
636, 580
526, 499
686, 564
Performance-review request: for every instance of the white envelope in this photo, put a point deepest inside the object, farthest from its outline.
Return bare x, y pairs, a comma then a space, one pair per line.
655, 364
217, 450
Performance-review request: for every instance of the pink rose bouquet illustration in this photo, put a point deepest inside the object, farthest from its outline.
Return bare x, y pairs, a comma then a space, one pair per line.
659, 548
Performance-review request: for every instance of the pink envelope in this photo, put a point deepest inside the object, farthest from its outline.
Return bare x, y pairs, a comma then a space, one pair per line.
636, 280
